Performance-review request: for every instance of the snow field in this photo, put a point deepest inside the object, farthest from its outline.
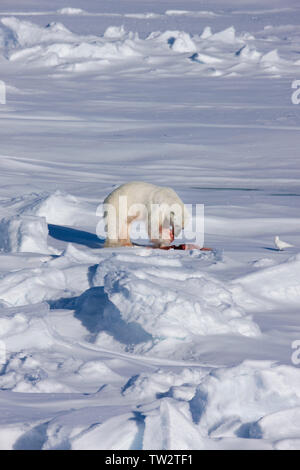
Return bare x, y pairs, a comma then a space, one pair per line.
134, 300
134, 348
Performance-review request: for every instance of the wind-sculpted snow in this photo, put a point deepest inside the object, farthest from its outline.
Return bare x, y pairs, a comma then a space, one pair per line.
259, 389
218, 53
172, 302
24, 234
156, 299
274, 285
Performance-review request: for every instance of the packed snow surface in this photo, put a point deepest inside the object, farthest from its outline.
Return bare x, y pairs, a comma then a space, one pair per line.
135, 348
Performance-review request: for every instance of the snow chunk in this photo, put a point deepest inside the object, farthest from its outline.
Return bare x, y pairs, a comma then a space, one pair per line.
115, 32
226, 36
206, 32
184, 43
171, 428
248, 53
178, 41
24, 234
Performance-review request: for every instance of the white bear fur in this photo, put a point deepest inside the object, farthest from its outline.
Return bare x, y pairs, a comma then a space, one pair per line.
144, 202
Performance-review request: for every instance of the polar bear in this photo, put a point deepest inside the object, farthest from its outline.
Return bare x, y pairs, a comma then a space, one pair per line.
162, 210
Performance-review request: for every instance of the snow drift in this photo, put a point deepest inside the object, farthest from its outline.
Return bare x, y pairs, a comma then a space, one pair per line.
272, 286
139, 286
57, 208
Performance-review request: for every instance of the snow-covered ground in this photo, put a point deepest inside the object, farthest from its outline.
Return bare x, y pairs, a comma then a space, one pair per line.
133, 348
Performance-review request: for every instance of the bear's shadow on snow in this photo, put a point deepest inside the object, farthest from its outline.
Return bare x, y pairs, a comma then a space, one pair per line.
97, 313
72, 235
